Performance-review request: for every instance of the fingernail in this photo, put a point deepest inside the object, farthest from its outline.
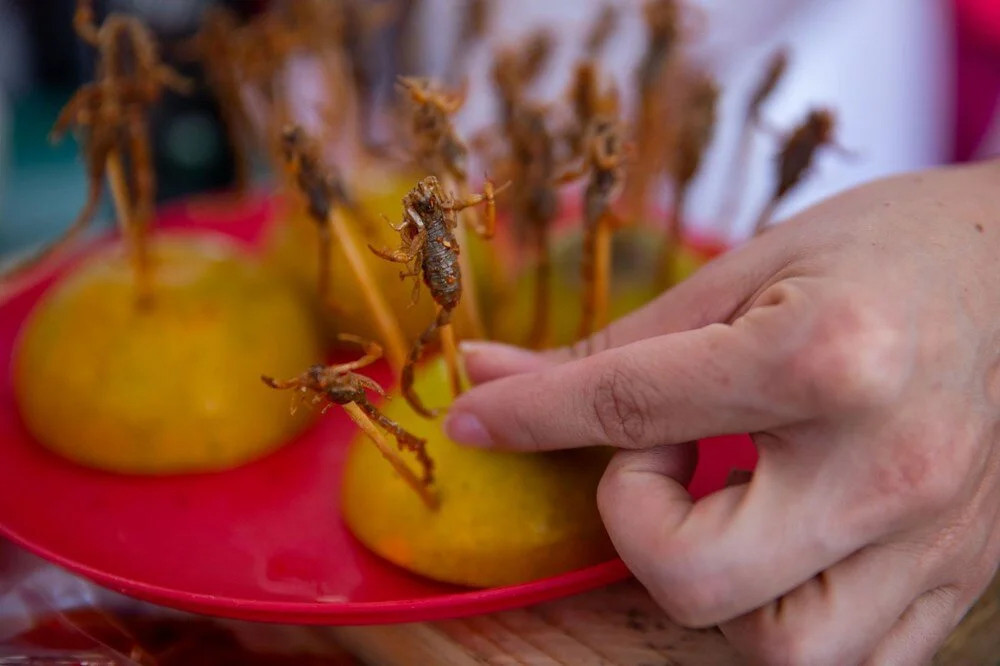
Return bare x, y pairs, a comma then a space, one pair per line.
466, 429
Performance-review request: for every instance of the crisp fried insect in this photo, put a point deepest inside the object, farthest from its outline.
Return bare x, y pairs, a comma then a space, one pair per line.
796, 157
322, 187
696, 127
430, 252
508, 83
341, 385
325, 191
536, 52
663, 31
535, 202
262, 47
437, 148
340, 34
656, 107
111, 116
587, 101
214, 45
602, 29
773, 73
475, 20
516, 67
605, 156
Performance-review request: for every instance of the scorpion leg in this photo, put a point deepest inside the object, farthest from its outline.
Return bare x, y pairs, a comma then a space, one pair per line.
486, 227
73, 109
83, 22
398, 256
372, 352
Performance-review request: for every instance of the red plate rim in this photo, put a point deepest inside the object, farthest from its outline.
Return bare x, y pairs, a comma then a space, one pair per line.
446, 606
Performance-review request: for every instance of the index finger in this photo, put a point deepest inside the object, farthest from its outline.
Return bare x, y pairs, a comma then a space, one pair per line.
806, 347
716, 380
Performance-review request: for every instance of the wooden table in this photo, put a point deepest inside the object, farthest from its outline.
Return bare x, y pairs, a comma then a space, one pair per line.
616, 625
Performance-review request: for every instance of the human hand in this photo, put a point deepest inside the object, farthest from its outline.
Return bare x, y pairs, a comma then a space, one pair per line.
859, 343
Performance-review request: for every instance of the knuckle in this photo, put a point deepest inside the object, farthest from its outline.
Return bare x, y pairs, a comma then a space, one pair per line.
929, 480
693, 603
782, 648
620, 408
690, 595
854, 355
768, 636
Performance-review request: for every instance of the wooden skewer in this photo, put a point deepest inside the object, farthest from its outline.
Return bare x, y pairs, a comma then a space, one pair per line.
392, 335
765, 216
737, 178
450, 350
602, 274
469, 305
323, 260
539, 336
670, 254
391, 455
132, 230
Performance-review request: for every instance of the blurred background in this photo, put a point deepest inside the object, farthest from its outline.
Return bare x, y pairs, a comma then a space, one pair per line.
886, 68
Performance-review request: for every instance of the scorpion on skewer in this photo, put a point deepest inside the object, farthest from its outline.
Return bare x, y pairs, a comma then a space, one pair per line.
695, 128
111, 114
536, 200
474, 23
604, 26
130, 79
437, 147
341, 385
215, 46
323, 188
774, 72
430, 252
604, 161
796, 157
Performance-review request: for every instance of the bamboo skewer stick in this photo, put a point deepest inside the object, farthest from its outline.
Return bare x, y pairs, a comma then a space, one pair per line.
132, 230
391, 454
766, 214
668, 270
539, 336
387, 324
602, 274
469, 305
323, 260
450, 351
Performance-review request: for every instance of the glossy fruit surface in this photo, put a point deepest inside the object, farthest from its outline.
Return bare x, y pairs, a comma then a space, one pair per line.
504, 518
172, 386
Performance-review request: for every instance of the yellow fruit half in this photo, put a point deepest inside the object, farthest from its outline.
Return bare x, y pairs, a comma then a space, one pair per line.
172, 387
504, 518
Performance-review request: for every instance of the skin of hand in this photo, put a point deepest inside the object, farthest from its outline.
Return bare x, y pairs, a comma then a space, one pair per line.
859, 344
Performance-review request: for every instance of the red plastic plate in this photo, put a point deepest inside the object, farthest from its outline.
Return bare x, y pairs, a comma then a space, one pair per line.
262, 542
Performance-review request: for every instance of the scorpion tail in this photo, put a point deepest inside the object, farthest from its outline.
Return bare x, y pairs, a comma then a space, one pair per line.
406, 381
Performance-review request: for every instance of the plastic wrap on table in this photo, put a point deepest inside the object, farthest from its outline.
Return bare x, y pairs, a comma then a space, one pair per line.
51, 617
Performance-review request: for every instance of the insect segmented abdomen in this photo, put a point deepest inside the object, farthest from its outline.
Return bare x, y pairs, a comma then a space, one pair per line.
441, 270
